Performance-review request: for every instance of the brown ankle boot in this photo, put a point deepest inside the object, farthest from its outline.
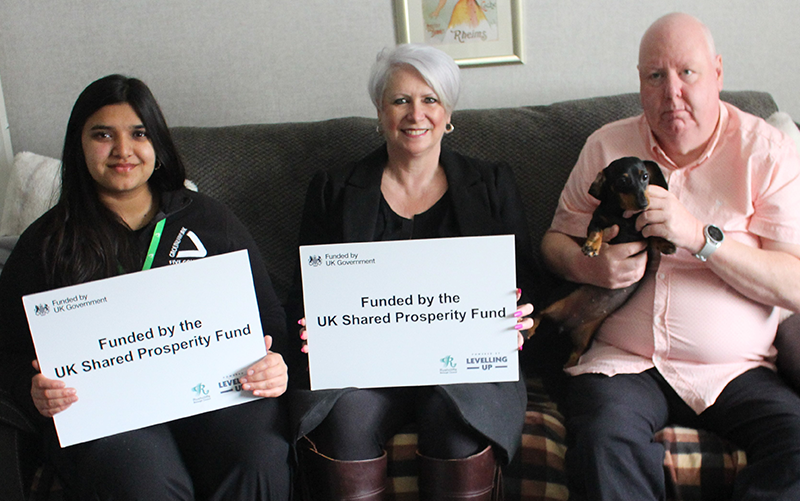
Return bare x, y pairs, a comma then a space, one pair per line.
474, 478
327, 479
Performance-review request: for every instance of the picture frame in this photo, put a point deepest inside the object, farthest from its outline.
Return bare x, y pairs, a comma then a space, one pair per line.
472, 32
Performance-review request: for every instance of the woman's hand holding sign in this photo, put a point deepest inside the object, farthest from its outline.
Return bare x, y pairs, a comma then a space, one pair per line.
524, 322
269, 376
50, 396
303, 335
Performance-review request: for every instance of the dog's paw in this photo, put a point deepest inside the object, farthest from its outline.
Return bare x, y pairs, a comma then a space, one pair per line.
537, 321
589, 249
663, 246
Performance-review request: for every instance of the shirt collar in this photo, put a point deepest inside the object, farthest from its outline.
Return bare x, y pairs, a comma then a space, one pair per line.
658, 153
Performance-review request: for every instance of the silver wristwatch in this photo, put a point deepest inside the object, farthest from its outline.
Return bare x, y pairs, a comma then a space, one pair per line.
714, 238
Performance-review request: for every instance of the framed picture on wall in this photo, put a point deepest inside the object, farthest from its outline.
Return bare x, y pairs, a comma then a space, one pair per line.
472, 31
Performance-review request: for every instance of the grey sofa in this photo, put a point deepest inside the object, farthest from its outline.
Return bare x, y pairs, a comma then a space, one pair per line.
261, 172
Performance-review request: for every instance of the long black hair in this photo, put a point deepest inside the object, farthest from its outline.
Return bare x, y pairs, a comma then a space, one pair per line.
86, 240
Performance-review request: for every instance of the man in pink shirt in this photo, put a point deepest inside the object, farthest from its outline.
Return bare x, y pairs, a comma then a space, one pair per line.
693, 346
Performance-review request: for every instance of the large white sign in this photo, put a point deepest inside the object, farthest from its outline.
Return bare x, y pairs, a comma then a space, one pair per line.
412, 312
149, 347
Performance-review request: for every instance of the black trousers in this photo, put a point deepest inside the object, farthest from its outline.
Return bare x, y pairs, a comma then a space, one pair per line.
611, 453
236, 453
362, 421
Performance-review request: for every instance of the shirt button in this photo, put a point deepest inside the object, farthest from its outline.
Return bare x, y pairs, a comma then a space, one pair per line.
661, 276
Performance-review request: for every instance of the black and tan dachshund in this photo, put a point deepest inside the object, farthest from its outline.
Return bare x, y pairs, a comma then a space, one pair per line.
620, 187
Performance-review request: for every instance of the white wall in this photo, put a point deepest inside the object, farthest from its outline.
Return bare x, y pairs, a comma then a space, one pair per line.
220, 62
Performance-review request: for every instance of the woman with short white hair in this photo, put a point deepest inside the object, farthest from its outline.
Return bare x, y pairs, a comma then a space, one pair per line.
411, 188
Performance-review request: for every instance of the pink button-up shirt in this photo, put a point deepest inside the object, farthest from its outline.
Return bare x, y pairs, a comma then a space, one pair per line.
684, 320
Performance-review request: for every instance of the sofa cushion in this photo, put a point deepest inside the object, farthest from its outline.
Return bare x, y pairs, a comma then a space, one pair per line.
262, 171
782, 121
33, 187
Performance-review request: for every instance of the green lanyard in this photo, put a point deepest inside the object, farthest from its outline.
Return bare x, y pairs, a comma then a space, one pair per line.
151, 251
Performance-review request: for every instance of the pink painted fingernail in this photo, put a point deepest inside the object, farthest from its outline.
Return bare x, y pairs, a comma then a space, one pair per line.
517, 313
304, 349
518, 327
300, 322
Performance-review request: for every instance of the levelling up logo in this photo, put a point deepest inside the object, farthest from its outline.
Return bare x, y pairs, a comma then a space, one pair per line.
487, 362
230, 383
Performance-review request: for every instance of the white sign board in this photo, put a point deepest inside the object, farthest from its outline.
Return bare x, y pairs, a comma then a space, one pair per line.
412, 312
149, 347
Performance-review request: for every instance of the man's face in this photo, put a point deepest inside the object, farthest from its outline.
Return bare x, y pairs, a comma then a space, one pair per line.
680, 80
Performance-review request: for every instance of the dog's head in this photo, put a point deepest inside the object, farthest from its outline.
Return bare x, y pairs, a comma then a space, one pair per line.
624, 183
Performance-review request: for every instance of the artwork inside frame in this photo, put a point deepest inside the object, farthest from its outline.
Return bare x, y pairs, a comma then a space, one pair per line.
473, 32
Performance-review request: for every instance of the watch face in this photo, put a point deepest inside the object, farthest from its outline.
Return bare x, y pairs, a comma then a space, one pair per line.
715, 233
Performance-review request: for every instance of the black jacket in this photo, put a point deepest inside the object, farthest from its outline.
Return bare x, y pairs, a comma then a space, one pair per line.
342, 206
196, 226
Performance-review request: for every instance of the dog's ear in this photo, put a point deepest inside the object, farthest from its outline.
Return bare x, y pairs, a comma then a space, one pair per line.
596, 189
656, 177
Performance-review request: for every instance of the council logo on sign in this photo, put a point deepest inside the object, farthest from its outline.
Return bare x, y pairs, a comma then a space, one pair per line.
448, 365
201, 392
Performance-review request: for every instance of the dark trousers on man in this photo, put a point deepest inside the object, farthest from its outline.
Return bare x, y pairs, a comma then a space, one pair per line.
612, 420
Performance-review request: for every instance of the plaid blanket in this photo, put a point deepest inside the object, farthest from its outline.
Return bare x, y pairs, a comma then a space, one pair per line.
698, 465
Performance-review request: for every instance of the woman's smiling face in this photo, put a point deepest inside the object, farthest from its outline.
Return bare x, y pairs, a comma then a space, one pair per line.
119, 154
411, 116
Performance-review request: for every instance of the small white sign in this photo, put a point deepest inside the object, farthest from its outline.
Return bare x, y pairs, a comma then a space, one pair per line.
411, 312
149, 347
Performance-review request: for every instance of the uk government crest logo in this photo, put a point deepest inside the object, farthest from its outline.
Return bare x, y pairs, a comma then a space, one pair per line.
41, 310
315, 260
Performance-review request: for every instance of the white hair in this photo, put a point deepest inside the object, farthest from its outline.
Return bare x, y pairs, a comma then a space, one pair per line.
438, 70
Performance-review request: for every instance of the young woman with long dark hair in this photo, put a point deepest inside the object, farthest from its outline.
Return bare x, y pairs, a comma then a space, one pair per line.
122, 178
